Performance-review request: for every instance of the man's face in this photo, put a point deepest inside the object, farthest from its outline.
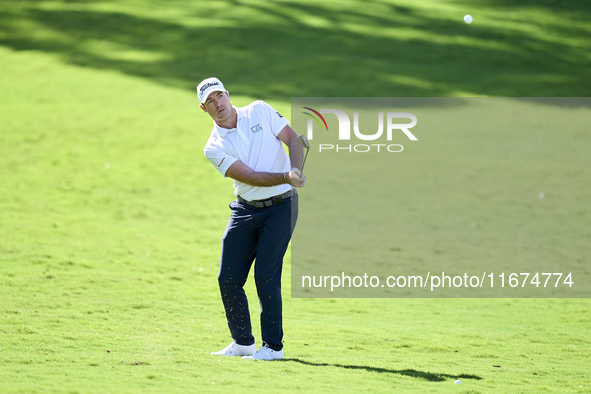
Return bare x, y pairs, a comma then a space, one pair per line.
218, 106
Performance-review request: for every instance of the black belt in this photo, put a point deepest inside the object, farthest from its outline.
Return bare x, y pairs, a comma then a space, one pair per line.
269, 201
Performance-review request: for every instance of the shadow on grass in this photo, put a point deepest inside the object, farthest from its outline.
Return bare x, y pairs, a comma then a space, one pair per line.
431, 377
303, 49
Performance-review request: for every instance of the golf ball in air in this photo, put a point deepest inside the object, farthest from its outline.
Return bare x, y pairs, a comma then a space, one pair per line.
468, 18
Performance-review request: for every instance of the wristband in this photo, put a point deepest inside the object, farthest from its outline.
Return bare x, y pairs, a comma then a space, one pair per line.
284, 180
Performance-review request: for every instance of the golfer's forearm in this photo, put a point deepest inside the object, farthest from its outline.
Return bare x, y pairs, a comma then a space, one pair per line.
263, 178
296, 154
242, 173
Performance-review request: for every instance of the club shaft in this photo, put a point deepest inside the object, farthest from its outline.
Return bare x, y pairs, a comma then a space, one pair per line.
304, 162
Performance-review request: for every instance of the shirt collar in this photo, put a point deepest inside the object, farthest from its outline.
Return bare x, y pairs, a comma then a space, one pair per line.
222, 131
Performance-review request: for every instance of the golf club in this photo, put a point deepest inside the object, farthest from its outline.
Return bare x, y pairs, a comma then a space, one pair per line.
303, 141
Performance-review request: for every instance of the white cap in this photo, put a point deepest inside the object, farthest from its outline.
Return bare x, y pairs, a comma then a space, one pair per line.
207, 86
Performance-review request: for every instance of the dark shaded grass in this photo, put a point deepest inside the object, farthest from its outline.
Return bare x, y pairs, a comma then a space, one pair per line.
275, 52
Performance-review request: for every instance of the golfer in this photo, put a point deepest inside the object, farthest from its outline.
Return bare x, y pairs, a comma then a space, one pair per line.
246, 145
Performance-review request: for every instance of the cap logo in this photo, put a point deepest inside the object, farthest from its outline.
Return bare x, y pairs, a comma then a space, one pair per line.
207, 85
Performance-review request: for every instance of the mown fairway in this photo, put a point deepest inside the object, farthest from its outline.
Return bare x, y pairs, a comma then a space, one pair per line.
111, 217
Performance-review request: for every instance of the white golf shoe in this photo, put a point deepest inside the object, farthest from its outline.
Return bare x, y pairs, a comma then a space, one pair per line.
235, 349
265, 353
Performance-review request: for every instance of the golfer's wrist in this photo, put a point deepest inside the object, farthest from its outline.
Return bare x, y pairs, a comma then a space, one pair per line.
285, 180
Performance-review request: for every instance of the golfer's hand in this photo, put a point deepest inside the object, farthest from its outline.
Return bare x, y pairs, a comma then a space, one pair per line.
295, 178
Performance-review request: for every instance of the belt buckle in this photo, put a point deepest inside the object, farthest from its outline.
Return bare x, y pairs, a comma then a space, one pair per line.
277, 200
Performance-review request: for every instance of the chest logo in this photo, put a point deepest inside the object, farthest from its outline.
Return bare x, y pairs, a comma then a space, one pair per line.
256, 128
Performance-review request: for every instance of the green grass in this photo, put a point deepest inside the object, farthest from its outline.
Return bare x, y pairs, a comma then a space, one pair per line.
276, 50
491, 185
111, 217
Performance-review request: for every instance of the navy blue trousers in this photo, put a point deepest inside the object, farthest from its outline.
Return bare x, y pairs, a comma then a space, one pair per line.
260, 234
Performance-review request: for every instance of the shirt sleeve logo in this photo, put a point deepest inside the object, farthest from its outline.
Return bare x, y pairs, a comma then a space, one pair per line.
256, 128
278, 114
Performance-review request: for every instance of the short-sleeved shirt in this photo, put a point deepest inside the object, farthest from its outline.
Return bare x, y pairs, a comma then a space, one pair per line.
254, 142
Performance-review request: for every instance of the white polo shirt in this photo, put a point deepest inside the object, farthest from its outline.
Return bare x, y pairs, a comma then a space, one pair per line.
254, 142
